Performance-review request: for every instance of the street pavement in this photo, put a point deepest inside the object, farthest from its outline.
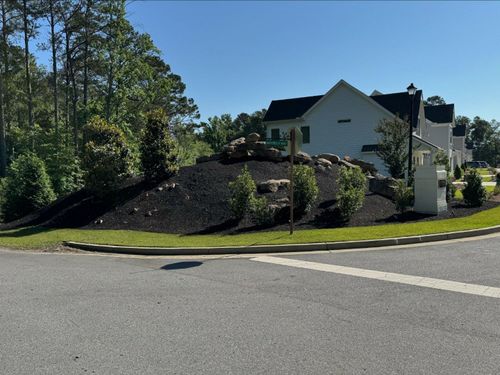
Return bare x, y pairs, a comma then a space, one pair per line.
277, 314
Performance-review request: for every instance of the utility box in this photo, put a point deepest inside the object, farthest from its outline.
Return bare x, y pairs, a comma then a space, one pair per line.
430, 189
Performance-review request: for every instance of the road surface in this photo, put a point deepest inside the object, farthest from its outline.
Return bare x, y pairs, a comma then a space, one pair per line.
327, 313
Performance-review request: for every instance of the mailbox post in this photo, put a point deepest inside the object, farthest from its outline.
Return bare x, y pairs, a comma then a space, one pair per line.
430, 189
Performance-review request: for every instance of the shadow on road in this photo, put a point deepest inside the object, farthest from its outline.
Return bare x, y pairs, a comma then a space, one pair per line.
180, 265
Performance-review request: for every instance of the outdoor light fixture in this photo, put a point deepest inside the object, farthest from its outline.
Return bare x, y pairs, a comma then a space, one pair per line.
411, 91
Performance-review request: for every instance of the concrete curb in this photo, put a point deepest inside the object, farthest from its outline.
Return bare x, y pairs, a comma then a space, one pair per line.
325, 246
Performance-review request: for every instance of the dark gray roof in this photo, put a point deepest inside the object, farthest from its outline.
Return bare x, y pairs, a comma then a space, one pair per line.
399, 104
287, 109
440, 113
459, 131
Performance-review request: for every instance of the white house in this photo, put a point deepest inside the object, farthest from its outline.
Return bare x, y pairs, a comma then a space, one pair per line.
343, 121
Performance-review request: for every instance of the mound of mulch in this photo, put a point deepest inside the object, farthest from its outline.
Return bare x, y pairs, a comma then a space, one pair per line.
198, 204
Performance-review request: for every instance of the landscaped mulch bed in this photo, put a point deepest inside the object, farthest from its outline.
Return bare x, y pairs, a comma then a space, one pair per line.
198, 204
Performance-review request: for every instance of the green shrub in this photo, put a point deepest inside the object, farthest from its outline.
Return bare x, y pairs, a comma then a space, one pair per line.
403, 196
106, 157
66, 174
496, 190
158, 149
242, 194
457, 172
442, 159
262, 212
27, 187
306, 189
474, 192
351, 191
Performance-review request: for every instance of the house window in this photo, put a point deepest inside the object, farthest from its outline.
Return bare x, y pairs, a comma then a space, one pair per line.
275, 134
344, 120
306, 135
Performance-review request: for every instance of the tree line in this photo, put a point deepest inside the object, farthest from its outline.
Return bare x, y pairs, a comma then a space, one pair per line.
99, 66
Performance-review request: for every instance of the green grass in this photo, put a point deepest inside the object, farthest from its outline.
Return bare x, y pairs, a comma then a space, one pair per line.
34, 237
459, 195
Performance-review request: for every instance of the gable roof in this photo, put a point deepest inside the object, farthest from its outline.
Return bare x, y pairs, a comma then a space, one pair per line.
399, 103
459, 131
288, 109
440, 113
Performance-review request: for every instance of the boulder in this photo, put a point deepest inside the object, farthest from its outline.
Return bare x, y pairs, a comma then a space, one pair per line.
382, 185
271, 154
323, 162
258, 145
302, 158
334, 159
365, 166
237, 141
253, 137
346, 164
272, 186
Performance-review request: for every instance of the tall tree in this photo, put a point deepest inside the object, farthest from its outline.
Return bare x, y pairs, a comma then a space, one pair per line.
393, 145
434, 100
28, 16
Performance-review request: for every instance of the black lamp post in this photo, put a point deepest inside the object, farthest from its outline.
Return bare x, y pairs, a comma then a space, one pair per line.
411, 91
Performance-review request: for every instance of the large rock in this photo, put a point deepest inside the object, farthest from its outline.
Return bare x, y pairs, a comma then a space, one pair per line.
253, 137
302, 158
334, 159
272, 154
238, 154
237, 141
382, 185
365, 166
323, 162
346, 164
272, 186
256, 145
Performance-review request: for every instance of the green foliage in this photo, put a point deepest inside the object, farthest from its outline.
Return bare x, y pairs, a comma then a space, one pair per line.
403, 196
159, 150
442, 159
65, 172
393, 145
27, 187
434, 100
218, 131
496, 190
474, 192
242, 194
351, 191
245, 123
191, 147
106, 157
305, 191
457, 173
262, 212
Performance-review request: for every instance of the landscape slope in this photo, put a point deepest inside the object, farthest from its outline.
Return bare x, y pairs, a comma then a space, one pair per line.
198, 204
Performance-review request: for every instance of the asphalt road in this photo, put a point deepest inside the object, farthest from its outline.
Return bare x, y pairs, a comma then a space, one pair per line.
88, 314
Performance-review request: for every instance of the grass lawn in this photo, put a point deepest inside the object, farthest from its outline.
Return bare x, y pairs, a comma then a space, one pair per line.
459, 196
34, 237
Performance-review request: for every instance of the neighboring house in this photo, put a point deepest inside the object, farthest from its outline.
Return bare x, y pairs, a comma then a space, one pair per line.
461, 153
343, 122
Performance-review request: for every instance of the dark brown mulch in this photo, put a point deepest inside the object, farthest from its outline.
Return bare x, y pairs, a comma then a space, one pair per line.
198, 204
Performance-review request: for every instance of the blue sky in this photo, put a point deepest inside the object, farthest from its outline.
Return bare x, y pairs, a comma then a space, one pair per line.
238, 56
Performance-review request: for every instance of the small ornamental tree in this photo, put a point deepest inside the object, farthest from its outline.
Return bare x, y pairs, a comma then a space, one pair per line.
305, 191
474, 192
393, 145
106, 157
351, 191
457, 173
27, 187
442, 159
242, 194
159, 150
